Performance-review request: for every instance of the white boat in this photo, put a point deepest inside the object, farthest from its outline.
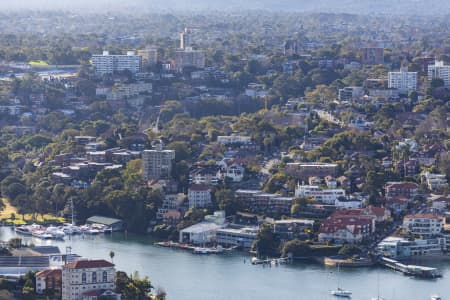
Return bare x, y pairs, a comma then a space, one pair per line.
435, 297
341, 293
55, 232
378, 298
42, 234
201, 250
70, 229
25, 230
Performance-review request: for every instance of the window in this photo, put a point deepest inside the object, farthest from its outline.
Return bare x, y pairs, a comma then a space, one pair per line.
105, 276
83, 278
94, 277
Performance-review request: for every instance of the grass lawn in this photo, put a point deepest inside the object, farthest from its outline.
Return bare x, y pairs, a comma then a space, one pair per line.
9, 209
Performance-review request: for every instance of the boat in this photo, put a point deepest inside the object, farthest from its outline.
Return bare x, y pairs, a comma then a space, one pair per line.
203, 250
42, 234
70, 229
56, 232
341, 292
25, 230
435, 297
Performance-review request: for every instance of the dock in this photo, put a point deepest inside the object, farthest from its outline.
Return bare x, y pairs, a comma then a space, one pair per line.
271, 261
410, 270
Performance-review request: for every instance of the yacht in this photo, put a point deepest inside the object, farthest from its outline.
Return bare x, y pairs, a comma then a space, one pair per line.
435, 297
25, 230
55, 232
341, 293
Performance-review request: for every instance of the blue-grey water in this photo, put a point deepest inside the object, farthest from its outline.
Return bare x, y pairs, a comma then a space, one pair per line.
185, 276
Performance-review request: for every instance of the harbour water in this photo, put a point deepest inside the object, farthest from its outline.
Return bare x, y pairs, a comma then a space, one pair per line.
186, 276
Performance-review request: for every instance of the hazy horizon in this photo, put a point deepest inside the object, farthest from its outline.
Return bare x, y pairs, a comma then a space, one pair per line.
413, 7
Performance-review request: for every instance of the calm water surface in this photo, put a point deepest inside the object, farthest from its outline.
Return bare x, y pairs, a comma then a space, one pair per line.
185, 276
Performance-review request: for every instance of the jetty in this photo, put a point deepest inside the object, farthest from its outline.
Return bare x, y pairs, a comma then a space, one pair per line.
410, 270
271, 261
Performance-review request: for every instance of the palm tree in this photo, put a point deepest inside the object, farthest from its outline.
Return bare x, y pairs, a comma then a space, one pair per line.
112, 254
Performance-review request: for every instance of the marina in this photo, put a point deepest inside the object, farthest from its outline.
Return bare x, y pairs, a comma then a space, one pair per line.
220, 277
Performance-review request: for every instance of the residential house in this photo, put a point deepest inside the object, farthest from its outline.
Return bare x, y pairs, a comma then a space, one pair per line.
327, 196
257, 201
346, 229
434, 182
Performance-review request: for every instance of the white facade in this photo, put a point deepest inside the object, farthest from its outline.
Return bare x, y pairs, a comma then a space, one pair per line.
439, 70
108, 64
423, 225
125, 91
234, 139
404, 81
199, 196
84, 276
398, 248
327, 196
435, 182
242, 237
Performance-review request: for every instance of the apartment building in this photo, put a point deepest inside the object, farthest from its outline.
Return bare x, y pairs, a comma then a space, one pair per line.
84, 276
403, 80
109, 64
423, 225
439, 70
157, 164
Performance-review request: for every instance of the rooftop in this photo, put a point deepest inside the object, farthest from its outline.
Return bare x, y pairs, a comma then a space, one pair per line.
87, 264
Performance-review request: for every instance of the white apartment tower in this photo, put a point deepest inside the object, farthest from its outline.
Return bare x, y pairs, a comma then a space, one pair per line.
186, 39
108, 64
403, 80
439, 70
157, 164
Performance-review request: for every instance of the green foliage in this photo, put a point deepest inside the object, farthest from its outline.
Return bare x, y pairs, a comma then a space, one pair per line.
267, 242
227, 202
133, 288
350, 250
296, 248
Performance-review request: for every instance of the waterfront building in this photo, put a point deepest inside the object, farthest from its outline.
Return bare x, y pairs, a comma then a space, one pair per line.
346, 228
114, 224
439, 70
423, 225
403, 80
189, 57
237, 237
326, 196
203, 232
401, 248
199, 196
157, 164
109, 64
289, 229
84, 276
171, 202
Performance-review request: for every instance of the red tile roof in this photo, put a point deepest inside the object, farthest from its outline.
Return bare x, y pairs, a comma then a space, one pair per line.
87, 264
47, 273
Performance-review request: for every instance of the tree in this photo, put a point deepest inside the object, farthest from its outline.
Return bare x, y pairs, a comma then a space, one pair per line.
296, 248
266, 242
227, 202
350, 250
111, 255
132, 288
